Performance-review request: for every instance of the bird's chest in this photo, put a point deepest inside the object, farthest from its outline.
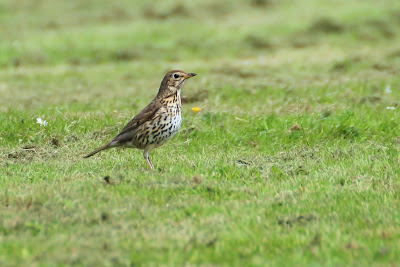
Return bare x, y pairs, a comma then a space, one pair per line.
173, 111
169, 121
173, 106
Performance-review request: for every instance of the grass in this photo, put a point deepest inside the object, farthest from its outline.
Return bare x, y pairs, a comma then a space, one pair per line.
293, 159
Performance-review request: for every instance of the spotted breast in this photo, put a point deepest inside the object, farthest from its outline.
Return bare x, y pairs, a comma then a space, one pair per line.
169, 122
163, 126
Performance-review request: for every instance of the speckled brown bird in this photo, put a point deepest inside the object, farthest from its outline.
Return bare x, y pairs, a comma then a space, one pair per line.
158, 122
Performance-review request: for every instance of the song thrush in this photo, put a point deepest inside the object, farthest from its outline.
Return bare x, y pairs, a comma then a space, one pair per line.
158, 122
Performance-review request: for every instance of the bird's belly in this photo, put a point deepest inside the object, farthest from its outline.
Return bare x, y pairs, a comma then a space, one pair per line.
156, 133
131, 144
168, 129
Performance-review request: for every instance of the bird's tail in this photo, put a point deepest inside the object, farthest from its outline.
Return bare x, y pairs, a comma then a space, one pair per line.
98, 150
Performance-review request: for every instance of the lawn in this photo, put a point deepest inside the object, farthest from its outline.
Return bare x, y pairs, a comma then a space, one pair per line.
293, 158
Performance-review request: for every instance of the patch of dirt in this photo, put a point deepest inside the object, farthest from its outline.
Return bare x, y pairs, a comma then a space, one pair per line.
301, 170
258, 42
218, 9
343, 153
261, 3
301, 41
75, 61
370, 99
326, 25
52, 25
33, 57
198, 96
71, 138
381, 26
381, 67
104, 216
55, 142
295, 127
197, 180
287, 196
346, 64
124, 55
235, 71
211, 242
372, 30
244, 162
347, 131
290, 155
326, 113
341, 66
291, 109
177, 10
30, 152
301, 219
352, 245
115, 14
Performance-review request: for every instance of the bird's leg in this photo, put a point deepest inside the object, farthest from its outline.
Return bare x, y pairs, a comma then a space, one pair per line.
150, 163
146, 155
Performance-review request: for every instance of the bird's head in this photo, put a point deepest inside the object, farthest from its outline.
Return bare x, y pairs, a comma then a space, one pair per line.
173, 81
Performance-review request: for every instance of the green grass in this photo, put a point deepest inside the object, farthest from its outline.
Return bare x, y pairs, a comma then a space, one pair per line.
293, 159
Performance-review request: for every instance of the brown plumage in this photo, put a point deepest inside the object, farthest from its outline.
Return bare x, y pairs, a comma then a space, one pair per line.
158, 122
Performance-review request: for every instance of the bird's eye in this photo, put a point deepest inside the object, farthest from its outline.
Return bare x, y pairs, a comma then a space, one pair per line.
176, 76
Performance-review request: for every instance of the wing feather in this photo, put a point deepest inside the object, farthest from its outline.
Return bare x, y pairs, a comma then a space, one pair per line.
146, 114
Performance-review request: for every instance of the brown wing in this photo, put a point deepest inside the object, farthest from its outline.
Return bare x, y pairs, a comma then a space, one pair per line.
146, 114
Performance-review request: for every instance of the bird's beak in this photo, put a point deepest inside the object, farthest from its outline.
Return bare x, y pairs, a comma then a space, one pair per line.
189, 75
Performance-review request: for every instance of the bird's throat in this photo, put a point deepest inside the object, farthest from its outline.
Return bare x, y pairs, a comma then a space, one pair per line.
172, 103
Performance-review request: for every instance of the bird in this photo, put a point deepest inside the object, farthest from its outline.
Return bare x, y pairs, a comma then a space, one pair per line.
157, 123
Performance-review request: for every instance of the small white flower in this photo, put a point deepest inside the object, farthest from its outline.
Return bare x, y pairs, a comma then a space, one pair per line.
20, 140
390, 108
41, 122
388, 90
